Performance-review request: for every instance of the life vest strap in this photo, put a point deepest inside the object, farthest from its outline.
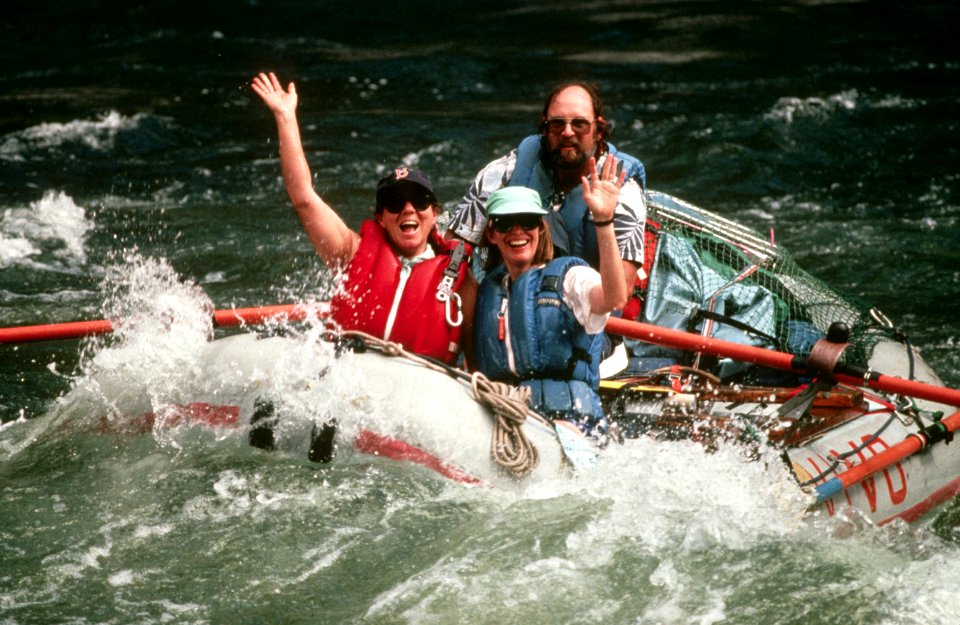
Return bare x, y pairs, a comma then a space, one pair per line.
450, 274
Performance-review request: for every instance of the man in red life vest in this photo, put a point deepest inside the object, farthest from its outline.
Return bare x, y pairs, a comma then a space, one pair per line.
401, 280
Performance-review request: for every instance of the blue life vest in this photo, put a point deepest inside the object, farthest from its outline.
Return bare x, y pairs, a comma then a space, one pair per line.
572, 232
553, 355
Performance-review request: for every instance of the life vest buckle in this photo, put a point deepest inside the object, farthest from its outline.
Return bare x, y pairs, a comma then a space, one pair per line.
445, 289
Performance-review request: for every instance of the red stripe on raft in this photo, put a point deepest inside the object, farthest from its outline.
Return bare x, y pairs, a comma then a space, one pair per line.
376, 444
938, 497
174, 415
208, 414
888, 457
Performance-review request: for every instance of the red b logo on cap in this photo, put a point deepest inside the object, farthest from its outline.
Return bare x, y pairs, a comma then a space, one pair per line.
400, 172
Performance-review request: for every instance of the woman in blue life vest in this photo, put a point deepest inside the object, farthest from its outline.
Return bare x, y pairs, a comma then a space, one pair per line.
400, 280
539, 321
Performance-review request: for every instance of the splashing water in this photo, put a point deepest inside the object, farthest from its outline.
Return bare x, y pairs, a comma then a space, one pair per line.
160, 323
97, 135
54, 225
850, 134
789, 108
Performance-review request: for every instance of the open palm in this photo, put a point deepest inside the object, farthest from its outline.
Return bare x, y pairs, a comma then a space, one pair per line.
601, 193
271, 92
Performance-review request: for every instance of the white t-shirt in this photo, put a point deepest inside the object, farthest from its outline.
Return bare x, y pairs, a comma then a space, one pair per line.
577, 284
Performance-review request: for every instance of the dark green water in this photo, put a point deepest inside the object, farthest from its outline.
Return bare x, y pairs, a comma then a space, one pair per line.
134, 158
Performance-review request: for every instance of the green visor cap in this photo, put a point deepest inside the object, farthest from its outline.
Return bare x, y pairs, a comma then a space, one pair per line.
514, 201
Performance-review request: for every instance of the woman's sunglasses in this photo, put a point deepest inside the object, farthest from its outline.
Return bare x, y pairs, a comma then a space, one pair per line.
395, 203
505, 223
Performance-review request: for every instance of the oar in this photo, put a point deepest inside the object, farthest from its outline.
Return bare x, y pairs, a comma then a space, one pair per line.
77, 329
914, 443
645, 332
853, 376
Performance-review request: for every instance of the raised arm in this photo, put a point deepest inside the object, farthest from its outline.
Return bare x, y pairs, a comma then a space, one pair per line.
601, 194
334, 241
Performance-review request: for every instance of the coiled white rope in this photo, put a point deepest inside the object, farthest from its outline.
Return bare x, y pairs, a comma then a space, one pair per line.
509, 446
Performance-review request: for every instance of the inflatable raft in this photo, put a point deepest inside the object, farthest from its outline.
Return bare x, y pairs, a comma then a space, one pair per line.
736, 345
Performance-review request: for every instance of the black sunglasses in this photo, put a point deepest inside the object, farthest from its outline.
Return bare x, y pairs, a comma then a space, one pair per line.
557, 125
396, 202
505, 223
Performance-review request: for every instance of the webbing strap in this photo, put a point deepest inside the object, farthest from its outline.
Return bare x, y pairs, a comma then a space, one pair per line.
445, 288
730, 321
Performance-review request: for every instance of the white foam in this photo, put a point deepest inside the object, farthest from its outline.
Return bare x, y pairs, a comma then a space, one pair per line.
150, 531
54, 224
161, 322
788, 109
121, 578
918, 592
97, 134
14, 249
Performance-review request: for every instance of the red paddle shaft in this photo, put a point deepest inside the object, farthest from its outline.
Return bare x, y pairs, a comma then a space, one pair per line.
776, 360
634, 329
76, 329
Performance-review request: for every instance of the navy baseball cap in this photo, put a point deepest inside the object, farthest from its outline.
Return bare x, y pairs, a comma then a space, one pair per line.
401, 175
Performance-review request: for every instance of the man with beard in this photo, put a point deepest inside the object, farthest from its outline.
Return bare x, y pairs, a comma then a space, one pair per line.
571, 131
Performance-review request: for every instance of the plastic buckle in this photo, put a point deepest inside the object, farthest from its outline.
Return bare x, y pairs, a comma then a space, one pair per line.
445, 289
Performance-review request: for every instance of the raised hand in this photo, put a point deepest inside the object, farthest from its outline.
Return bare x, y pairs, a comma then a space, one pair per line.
601, 192
273, 95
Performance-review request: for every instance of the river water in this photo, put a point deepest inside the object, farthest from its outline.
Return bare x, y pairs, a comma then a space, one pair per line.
138, 178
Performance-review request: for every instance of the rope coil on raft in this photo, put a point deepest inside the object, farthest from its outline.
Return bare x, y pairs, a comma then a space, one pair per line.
509, 446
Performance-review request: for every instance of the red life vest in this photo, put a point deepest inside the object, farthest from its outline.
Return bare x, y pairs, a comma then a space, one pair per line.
423, 322
634, 305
